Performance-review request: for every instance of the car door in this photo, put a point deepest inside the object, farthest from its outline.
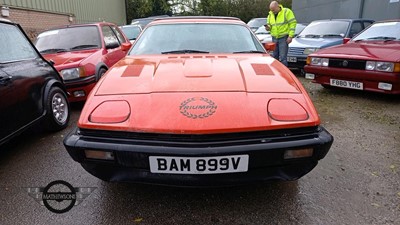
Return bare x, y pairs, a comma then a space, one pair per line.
20, 81
113, 46
122, 39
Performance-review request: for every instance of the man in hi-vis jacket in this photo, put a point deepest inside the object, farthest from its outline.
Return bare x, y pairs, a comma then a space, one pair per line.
282, 24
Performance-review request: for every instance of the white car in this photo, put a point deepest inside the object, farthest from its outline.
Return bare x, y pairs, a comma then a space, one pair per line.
264, 36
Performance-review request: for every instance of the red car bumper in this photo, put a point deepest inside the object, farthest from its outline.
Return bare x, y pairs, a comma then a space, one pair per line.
79, 89
370, 79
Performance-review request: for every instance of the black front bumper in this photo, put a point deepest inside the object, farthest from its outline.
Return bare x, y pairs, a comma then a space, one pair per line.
265, 150
299, 64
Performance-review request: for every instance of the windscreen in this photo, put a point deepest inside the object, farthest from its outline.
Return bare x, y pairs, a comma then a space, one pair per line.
257, 22
68, 39
13, 45
202, 37
132, 32
381, 31
325, 29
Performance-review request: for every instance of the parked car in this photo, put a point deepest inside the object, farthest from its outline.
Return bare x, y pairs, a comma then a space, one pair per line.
322, 34
255, 23
131, 31
31, 90
264, 36
198, 102
142, 22
83, 53
370, 61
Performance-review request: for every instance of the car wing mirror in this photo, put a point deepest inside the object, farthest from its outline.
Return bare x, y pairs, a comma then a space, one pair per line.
345, 40
269, 46
112, 45
126, 46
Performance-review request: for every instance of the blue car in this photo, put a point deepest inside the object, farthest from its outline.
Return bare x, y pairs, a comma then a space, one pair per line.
322, 34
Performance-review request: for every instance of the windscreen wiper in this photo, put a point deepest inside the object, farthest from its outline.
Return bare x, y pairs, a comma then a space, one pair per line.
84, 47
54, 50
311, 35
382, 38
183, 51
332, 35
249, 51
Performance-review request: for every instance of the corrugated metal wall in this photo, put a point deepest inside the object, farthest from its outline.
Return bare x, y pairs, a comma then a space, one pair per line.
382, 9
83, 10
309, 10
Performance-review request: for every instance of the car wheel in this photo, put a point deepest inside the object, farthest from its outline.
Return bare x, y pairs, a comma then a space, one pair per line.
302, 73
102, 71
57, 106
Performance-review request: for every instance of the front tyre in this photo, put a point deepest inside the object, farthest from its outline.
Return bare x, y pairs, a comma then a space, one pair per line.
57, 110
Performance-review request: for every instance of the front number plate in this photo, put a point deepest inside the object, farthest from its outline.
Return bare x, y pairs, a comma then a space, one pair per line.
199, 165
347, 84
291, 59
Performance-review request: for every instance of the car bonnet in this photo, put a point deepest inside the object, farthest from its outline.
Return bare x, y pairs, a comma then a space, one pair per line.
369, 50
196, 73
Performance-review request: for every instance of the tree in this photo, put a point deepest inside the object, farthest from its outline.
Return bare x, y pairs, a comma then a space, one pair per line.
243, 9
145, 8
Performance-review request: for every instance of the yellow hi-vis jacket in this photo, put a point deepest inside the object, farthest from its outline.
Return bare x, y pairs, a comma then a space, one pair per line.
285, 23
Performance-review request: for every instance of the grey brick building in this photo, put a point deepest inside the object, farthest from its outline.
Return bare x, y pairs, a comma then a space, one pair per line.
38, 15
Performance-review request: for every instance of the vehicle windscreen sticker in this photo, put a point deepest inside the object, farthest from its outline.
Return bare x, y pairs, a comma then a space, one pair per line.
198, 108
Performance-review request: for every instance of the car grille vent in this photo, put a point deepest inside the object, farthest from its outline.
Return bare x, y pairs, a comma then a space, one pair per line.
199, 140
296, 51
198, 57
133, 71
350, 64
262, 69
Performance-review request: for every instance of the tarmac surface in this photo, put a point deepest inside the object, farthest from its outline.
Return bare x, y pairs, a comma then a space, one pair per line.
358, 182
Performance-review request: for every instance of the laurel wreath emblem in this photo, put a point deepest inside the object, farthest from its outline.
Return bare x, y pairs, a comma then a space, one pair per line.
188, 114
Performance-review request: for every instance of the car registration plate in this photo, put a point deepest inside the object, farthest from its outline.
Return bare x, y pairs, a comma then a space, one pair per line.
291, 59
199, 165
347, 84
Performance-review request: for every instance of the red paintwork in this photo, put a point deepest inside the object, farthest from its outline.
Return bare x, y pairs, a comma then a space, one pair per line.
156, 92
88, 59
367, 50
388, 51
198, 94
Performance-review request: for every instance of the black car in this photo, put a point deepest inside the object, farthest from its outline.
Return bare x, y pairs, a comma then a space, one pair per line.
31, 90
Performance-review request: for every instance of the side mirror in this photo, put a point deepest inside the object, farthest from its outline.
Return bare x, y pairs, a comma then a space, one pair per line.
126, 46
269, 46
112, 45
345, 40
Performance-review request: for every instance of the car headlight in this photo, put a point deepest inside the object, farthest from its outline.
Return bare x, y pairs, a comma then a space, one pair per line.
379, 66
370, 65
315, 61
73, 73
309, 50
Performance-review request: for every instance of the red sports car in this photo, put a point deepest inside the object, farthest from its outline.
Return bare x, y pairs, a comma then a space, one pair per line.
370, 61
83, 53
198, 102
